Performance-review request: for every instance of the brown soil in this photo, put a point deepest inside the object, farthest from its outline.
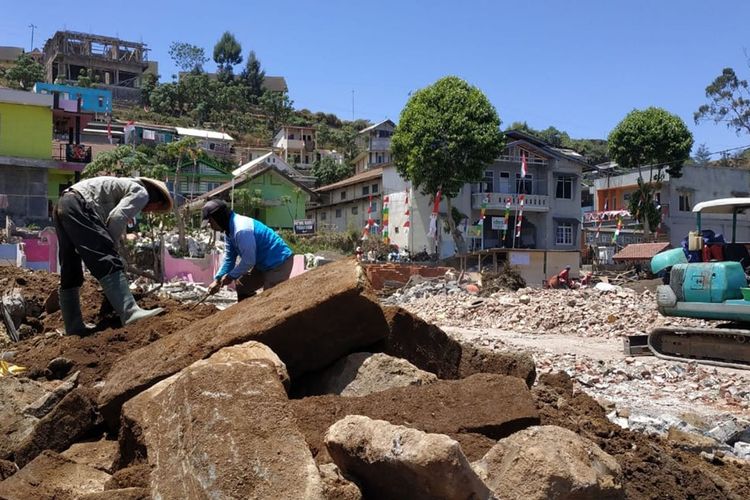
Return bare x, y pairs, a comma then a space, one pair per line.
652, 467
136, 476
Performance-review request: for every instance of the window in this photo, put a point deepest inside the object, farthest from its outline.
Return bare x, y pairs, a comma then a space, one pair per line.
365, 190
101, 102
307, 158
343, 195
355, 211
374, 206
487, 184
525, 185
564, 187
323, 215
564, 234
374, 188
685, 202
338, 213
504, 182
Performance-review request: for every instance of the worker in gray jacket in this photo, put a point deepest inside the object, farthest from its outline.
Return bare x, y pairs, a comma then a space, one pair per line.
91, 218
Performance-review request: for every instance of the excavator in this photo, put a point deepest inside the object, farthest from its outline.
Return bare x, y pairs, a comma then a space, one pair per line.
712, 286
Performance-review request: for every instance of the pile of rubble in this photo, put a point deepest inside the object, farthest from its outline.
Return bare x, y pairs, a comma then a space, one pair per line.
322, 395
592, 312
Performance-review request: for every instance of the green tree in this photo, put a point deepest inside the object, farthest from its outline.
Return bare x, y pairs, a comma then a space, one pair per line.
702, 155
246, 200
253, 76
447, 133
277, 107
652, 138
24, 73
728, 101
149, 83
188, 57
86, 78
227, 53
327, 171
125, 161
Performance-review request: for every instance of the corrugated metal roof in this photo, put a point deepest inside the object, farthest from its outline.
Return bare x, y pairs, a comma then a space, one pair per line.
204, 134
641, 251
364, 176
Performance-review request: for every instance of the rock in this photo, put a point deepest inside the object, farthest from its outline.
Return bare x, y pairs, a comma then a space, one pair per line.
52, 302
550, 462
135, 476
691, 441
100, 455
60, 367
45, 403
16, 393
220, 428
51, 475
524, 299
492, 405
392, 461
7, 469
423, 344
123, 494
253, 350
730, 431
363, 373
336, 486
742, 450
68, 422
326, 311
476, 359
472, 289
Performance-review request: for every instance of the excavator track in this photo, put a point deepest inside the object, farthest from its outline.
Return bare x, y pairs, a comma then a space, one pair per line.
711, 346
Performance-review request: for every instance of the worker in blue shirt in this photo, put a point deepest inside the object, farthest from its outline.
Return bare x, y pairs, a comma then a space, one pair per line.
265, 259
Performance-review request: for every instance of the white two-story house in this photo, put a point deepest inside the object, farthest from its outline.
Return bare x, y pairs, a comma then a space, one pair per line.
297, 146
374, 143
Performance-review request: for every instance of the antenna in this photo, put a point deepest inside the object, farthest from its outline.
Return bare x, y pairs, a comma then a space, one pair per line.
352, 104
33, 27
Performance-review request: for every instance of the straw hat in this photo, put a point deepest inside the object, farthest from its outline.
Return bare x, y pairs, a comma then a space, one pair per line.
162, 188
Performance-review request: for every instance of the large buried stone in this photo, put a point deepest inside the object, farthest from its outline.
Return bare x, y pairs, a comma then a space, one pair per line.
392, 461
550, 462
487, 404
310, 321
16, 394
52, 476
220, 428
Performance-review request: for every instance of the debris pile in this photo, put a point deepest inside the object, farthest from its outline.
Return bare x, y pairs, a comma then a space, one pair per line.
507, 278
250, 402
589, 312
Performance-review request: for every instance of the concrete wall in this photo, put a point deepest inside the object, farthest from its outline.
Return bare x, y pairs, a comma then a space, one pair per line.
93, 100
26, 191
25, 131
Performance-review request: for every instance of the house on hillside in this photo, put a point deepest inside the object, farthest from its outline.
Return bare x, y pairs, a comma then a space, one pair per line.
274, 160
196, 180
349, 203
216, 144
676, 198
374, 143
297, 146
281, 199
148, 134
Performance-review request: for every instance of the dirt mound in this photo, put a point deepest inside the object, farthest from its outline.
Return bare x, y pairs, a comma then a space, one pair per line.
652, 468
506, 278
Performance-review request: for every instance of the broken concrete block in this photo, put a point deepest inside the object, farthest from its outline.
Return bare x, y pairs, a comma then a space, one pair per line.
363, 373
220, 429
123, 494
100, 455
742, 450
45, 403
550, 462
252, 350
336, 486
476, 359
731, 430
68, 422
487, 404
51, 475
393, 461
16, 393
310, 321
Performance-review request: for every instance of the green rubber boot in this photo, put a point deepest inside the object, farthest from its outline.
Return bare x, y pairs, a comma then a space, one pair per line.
70, 306
117, 290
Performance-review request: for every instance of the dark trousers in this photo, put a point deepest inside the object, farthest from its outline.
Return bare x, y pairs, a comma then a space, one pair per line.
249, 283
82, 235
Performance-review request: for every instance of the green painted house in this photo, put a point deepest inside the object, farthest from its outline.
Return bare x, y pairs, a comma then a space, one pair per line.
265, 193
195, 180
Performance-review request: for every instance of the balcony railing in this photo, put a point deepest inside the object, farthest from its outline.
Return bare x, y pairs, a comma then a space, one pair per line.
497, 201
74, 153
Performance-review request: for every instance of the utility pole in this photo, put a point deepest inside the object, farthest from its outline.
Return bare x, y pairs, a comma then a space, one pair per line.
352, 104
33, 27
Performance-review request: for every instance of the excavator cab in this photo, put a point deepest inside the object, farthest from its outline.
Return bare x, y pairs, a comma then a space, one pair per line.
712, 286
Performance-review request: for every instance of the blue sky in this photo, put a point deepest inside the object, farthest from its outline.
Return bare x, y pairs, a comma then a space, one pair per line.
579, 65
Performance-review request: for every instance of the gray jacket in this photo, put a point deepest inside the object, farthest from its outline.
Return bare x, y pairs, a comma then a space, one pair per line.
115, 199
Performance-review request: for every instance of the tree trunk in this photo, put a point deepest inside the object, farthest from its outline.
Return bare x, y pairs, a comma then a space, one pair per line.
458, 238
179, 220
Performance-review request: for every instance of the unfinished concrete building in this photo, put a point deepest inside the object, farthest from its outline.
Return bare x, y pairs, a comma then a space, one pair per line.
116, 64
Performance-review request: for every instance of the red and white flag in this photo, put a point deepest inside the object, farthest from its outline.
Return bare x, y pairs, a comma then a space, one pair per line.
524, 170
521, 198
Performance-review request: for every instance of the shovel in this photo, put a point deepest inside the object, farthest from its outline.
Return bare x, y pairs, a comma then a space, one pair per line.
203, 299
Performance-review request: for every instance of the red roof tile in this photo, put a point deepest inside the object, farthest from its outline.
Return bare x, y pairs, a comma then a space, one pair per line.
641, 251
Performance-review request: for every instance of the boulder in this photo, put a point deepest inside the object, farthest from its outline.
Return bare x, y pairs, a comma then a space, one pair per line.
7, 469
220, 428
691, 441
16, 393
477, 359
563, 466
122, 494
336, 486
252, 350
326, 311
487, 404
51, 475
135, 476
393, 461
43, 405
67, 423
100, 455
363, 373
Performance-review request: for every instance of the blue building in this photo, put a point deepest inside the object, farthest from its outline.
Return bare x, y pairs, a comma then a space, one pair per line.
93, 100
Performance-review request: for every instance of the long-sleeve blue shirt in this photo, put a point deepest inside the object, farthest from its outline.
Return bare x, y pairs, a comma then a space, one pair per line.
256, 244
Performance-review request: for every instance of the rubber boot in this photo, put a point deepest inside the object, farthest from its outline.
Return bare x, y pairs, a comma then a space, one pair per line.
70, 306
117, 290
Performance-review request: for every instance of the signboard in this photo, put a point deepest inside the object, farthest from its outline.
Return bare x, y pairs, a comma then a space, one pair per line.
304, 226
498, 224
519, 259
474, 231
